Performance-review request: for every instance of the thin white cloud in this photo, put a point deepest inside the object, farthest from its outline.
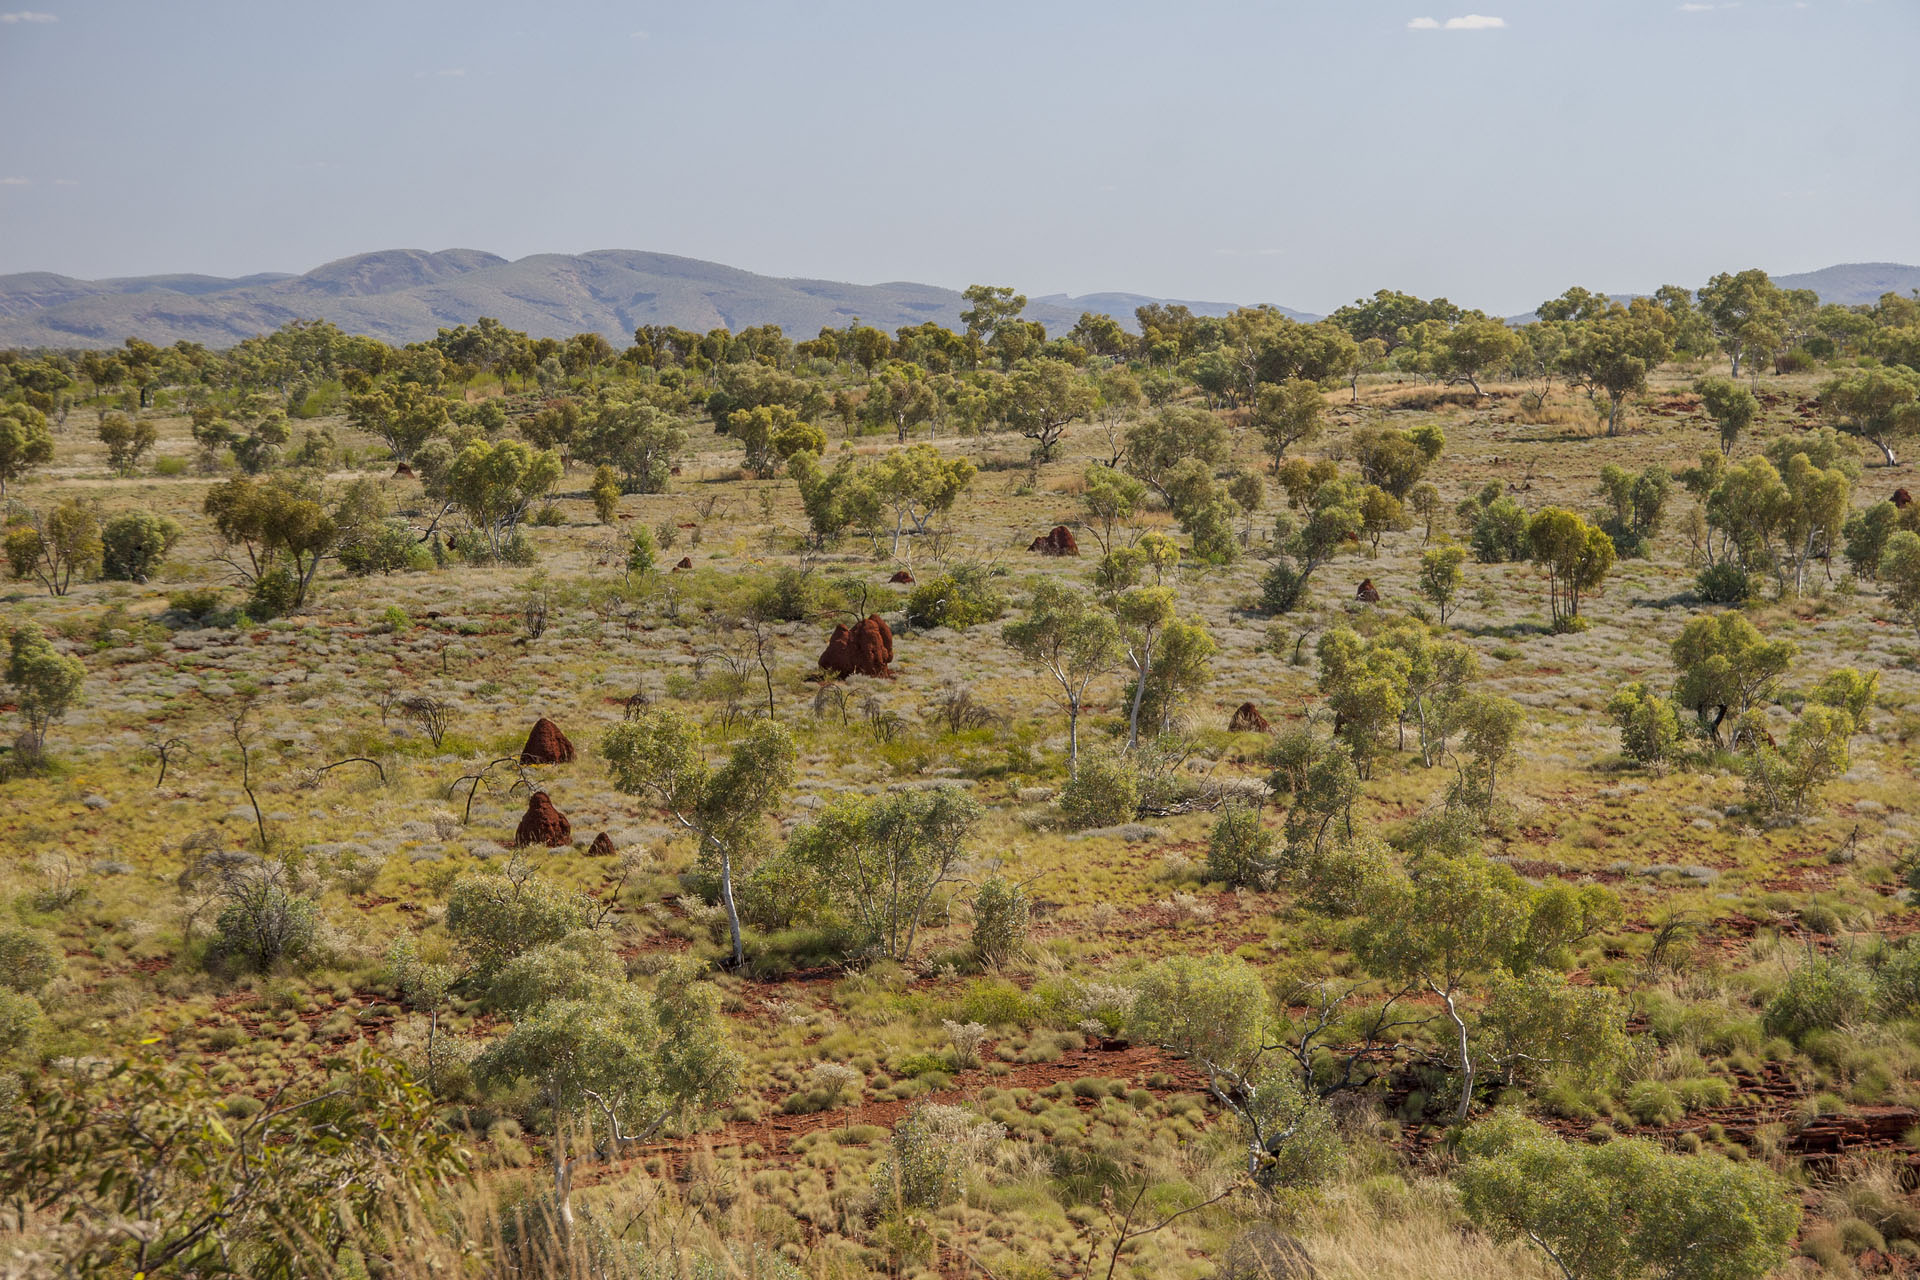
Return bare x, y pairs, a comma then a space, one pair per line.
640, 35
1466, 22
445, 73
27, 15
1694, 7
16, 182
65, 182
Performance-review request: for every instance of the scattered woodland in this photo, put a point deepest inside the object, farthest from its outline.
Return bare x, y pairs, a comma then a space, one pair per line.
1400, 795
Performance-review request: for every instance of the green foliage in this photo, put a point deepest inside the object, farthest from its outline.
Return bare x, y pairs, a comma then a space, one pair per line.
25, 442
263, 922
1649, 726
1500, 532
1724, 583
127, 440
161, 1181
493, 918
929, 1155
1240, 847
1636, 506
1103, 792
1900, 570
133, 544
964, 596
1209, 1007
45, 682
1732, 407
1538, 1023
1726, 667
1441, 576
1334, 520
1577, 558
882, 859
20, 1023
1820, 994
1001, 911
1866, 535
1626, 1209
29, 959
1784, 780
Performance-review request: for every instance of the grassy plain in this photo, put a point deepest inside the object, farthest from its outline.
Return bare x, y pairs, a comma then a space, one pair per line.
95, 850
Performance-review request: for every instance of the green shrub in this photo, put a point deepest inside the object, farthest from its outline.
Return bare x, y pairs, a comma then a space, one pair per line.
930, 1154
494, 919
134, 543
195, 602
1000, 915
996, 1003
1649, 726
1897, 983
28, 959
790, 595
387, 547
1240, 848
262, 923
19, 1021
1724, 583
1820, 995
1654, 1102
965, 596
273, 594
1104, 793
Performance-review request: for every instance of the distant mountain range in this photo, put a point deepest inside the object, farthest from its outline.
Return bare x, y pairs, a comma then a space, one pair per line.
407, 295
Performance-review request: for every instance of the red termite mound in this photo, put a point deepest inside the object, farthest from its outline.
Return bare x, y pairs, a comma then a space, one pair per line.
1902, 499
403, 471
546, 745
1057, 542
543, 824
1368, 593
602, 846
686, 562
905, 577
864, 649
1249, 720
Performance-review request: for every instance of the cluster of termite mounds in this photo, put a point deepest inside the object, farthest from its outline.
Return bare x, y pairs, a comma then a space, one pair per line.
1057, 541
1248, 720
864, 649
543, 824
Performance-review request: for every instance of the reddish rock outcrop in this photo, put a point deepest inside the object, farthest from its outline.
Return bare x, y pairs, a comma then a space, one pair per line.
864, 649
543, 824
546, 745
1902, 499
1249, 720
1058, 542
904, 577
602, 846
1368, 593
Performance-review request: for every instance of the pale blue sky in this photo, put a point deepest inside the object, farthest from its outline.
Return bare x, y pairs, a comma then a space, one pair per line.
1295, 151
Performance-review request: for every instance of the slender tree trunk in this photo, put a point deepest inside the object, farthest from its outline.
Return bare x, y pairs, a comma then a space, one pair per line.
562, 1185
1466, 1058
733, 912
1073, 736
